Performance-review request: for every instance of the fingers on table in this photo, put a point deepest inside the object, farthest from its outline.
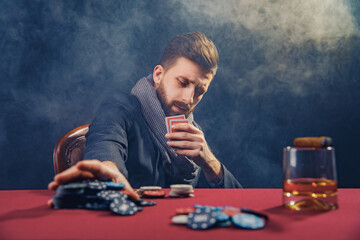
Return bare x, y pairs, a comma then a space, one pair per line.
69, 175
98, 169
92, 169
106, 173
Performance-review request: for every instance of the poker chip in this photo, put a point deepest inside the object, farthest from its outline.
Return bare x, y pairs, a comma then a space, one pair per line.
94, 206
143, 203
231, 211
184, 211
64, 190
60, 202
123, 207
246, 210
205, 216
199, 206
181, 190
222, 217
248, 221
142, 189
206, 207
227, 223
153, 194
94, 185
181, 186
114, 185
109, 195
93, 194
202, 219
73, 186
176, 195
180, 219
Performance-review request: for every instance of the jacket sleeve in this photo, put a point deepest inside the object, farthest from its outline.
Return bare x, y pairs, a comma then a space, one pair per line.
228, 180
107, 135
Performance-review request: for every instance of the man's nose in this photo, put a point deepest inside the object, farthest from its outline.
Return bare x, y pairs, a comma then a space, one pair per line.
188, 95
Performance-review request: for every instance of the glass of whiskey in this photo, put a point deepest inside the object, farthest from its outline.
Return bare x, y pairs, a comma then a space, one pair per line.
309, 179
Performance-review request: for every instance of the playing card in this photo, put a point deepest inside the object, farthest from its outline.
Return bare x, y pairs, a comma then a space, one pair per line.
167, 120
176, 121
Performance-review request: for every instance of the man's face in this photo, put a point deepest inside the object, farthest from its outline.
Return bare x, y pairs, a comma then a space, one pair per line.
181, 87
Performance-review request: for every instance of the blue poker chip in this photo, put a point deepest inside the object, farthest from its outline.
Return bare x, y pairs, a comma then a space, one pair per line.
109, 195
259, 214
94, 185
199, 206
70, 189
143, 203
248, 221
74, 186
219, 208
206, 207
222, 217
94, 206
114, 185
224, 224
123, 207
202, 219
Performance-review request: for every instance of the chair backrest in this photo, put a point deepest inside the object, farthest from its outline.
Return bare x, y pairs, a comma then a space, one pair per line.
69, 149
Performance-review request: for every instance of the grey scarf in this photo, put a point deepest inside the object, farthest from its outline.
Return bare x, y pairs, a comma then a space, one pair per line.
178, 169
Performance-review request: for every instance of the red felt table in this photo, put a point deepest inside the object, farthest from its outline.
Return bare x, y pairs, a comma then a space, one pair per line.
24, 215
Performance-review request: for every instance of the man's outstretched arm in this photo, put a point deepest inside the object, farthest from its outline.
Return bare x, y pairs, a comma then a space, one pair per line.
106, 171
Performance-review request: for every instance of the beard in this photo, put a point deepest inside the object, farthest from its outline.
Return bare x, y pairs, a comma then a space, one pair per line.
166, 104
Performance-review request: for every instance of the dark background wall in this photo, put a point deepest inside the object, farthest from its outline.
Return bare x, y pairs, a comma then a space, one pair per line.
287, 69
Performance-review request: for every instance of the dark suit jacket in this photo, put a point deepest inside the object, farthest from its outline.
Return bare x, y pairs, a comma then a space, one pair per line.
120, 134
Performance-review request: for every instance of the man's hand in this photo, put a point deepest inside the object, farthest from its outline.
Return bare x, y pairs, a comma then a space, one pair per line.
106, 171
189, 141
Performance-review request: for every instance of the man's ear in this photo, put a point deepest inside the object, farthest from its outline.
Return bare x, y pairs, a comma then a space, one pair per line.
158, 75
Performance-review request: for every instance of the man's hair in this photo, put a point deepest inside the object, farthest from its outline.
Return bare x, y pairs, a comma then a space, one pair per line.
194, 46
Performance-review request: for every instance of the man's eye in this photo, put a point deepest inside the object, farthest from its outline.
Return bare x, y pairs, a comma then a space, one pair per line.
200, 91
182, 83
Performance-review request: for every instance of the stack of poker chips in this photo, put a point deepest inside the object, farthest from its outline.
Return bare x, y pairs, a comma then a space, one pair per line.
97, 195
181, 190
204, 217
151, 192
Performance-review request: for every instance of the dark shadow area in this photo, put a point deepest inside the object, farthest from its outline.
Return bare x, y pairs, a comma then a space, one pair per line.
35, 212
280, 213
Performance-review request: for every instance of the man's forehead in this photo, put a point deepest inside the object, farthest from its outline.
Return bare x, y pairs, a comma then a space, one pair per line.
202, 79
190, 70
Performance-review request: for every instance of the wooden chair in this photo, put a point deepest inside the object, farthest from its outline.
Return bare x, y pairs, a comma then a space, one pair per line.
69, 149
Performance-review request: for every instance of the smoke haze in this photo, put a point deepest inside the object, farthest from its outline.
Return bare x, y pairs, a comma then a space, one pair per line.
287, 69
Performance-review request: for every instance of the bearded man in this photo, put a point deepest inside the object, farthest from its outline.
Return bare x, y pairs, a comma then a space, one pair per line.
128, 141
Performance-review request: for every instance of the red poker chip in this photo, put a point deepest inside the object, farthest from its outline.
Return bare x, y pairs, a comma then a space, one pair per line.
230, 211
184, 211
153, 194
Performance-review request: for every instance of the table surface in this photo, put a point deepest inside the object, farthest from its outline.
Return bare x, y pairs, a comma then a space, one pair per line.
24, 215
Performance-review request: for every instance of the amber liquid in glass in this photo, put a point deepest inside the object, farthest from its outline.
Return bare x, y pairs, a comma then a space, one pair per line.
314, 194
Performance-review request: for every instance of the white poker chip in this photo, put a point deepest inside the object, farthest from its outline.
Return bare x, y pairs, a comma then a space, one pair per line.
181, 190
248, 221
176, 195
150, 188
183, 187
180, 219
